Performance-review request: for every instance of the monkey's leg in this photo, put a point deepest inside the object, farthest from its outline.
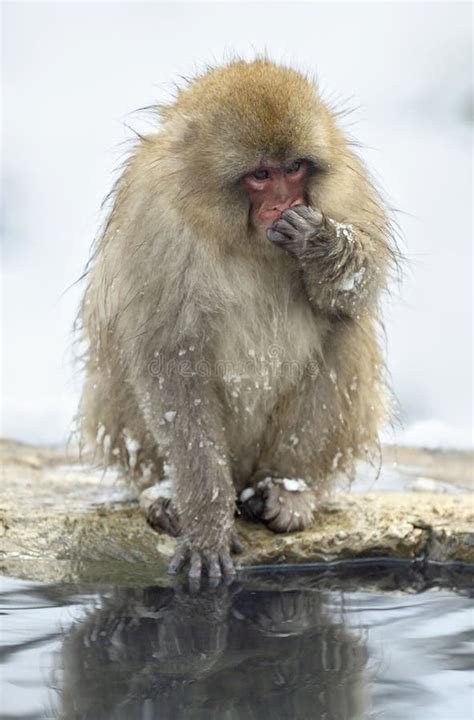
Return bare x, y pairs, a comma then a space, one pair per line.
297, 457
161, 514
184, 414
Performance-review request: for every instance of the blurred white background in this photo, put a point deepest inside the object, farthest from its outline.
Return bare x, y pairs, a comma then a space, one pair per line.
72, 73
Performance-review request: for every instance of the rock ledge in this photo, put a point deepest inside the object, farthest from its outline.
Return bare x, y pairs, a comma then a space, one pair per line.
63, 521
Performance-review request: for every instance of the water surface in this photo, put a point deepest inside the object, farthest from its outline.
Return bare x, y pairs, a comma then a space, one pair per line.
291, 645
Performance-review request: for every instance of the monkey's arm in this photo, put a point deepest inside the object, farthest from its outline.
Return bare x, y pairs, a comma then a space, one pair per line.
183, 413
342, 267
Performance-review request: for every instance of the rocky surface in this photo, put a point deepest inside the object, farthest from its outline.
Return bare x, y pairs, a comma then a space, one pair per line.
60, 520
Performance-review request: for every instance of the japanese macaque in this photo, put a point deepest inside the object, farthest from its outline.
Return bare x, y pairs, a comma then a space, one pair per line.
232, 312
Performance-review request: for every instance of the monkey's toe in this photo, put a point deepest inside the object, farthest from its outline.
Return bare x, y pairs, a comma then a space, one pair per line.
159, 511
284, 504
162, 517
287, 510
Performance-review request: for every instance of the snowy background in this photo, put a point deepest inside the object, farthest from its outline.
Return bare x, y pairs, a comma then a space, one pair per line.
72, 74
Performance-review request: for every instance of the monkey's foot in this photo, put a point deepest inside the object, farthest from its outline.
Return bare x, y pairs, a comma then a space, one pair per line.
283, 504
159, 511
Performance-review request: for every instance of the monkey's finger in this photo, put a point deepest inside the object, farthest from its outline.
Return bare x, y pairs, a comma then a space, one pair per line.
276, 237
287, 228
178, 560
214, 568
304, 214
293, 222
237, 545
195, 567
282, 242
228, 568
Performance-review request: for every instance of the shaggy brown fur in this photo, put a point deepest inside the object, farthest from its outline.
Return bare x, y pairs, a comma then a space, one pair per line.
215, 358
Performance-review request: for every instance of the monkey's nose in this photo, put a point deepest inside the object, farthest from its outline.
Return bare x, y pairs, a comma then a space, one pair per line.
282, 206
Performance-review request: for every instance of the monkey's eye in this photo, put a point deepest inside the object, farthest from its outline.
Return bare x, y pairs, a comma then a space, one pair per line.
260, 174
294, 167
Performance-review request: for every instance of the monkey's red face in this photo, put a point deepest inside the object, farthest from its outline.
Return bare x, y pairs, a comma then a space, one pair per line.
274, 188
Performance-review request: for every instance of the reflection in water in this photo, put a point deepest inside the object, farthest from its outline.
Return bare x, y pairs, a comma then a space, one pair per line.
282, 644
236, 653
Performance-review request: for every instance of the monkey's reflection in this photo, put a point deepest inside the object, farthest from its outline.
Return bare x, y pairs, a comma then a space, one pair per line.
232, 654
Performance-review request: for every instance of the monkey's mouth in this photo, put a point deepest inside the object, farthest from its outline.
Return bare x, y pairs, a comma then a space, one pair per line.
266, 218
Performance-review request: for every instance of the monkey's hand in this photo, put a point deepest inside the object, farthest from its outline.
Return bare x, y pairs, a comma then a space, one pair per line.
217, 563
310, 236
299, 229
333, 256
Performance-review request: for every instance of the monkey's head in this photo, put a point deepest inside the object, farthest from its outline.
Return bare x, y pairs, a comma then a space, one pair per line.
250, 140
